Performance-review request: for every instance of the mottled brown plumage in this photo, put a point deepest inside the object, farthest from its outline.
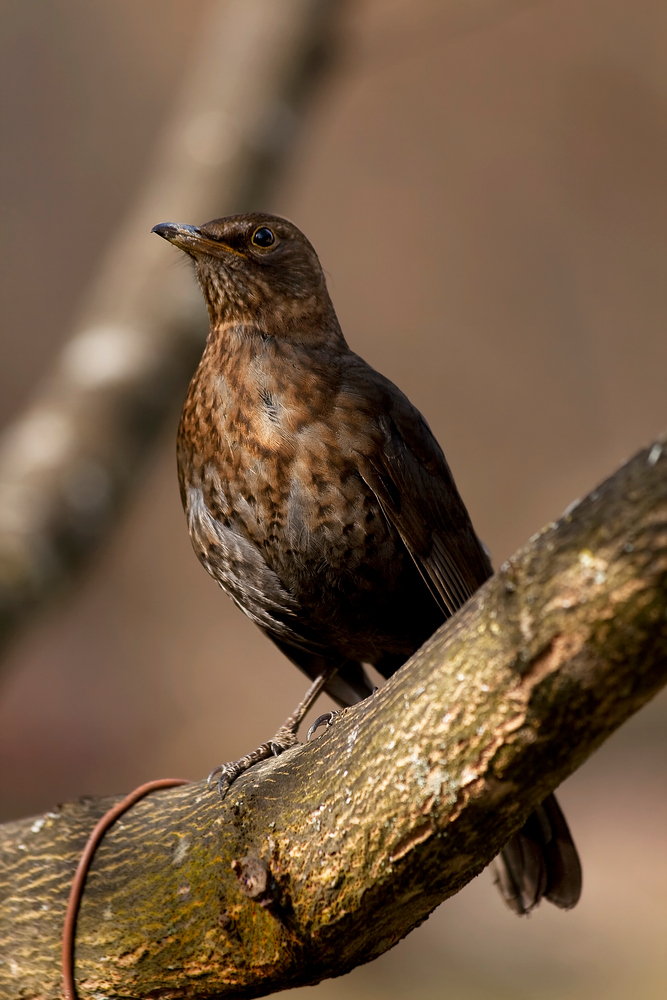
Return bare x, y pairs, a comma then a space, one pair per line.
318, 498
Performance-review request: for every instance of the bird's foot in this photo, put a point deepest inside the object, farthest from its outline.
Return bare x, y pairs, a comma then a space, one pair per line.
322, 720
226, 774
284, 739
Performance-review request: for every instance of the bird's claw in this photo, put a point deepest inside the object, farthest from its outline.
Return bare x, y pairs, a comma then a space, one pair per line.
321, 720
284, 739
226, 774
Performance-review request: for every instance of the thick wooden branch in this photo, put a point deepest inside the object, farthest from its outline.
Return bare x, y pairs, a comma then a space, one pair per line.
325, 857
70, 459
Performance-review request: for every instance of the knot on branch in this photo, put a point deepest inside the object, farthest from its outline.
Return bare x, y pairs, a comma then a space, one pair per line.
256, 881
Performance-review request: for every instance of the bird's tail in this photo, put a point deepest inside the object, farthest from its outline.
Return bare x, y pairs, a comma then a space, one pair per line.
540, 860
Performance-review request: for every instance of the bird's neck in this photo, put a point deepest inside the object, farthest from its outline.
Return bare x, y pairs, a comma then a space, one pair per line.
308, 319
244, 355
279, 336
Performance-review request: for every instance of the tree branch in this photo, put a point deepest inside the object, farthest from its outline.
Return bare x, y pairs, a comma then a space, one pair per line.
69, 461
326, 857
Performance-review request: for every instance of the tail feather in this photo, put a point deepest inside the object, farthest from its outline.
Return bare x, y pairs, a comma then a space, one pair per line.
540, 861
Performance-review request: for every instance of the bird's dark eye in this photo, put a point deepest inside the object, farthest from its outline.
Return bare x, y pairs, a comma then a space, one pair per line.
263, 237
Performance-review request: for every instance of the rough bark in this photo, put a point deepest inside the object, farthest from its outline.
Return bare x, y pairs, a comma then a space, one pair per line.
70, 459
325, 857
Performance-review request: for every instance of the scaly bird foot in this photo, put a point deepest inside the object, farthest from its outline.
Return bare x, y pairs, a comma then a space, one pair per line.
284, 739
227, 774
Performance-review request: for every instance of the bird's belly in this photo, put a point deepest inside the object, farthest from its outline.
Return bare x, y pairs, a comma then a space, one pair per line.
312, 556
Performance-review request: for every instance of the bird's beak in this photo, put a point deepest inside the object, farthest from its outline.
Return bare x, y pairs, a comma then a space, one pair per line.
192, 240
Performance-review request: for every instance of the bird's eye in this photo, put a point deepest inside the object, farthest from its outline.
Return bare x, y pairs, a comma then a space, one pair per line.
263, 237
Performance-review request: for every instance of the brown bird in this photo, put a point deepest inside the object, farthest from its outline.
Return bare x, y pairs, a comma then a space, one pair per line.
318, 498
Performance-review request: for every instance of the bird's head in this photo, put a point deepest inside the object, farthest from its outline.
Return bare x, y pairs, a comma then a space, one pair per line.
257, 270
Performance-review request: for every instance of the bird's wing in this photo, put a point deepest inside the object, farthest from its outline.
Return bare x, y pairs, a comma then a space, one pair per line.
409, 475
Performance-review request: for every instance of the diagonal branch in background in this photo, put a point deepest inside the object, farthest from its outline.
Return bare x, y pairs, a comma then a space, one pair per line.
324, 858
71, 458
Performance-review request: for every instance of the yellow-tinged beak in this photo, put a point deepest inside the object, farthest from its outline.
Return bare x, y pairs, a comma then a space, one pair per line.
192, 240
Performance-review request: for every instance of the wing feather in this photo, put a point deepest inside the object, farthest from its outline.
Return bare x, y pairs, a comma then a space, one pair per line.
410, 477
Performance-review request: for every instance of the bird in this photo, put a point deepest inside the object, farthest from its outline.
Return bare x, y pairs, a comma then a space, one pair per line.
318, 498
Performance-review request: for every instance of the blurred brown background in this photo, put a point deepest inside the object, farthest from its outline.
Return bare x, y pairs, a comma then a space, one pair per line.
486, 184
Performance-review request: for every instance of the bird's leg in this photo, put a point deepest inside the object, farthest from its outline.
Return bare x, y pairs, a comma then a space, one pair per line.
285, 738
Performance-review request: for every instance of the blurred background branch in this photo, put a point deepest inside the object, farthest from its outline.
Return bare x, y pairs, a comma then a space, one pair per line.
69, 459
